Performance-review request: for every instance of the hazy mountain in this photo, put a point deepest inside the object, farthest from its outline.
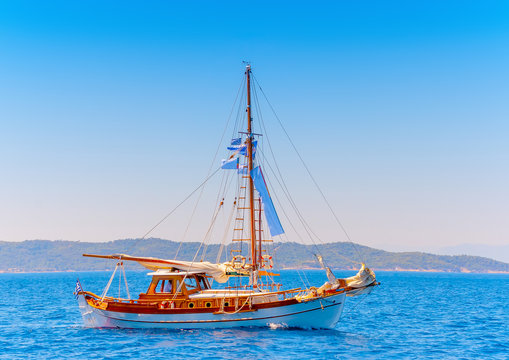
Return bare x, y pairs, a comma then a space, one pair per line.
497, 252
45, 255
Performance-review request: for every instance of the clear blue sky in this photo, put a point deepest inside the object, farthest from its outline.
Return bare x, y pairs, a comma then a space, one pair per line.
111, 111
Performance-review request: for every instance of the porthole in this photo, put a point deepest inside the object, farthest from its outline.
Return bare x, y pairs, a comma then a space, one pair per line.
190, 305
226, 303
208, 304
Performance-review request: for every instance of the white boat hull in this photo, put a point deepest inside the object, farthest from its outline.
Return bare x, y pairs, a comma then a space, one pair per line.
317, 313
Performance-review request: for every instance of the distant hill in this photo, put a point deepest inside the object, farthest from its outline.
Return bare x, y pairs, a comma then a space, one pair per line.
45, 255
497, 252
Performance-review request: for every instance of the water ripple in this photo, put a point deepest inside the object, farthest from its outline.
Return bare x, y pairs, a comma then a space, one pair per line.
412, 315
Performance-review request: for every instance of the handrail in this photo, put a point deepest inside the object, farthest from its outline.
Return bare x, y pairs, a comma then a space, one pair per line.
109, 298
116, 299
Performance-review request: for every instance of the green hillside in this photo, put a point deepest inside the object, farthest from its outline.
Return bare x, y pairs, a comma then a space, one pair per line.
45, 255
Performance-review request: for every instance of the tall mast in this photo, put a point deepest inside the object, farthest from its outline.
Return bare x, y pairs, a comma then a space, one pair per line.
254, 258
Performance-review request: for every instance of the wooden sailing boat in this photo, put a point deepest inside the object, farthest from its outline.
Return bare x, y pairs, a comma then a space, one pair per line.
180, 294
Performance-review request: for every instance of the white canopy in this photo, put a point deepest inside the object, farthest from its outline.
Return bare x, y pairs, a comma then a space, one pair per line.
363, 278
220, 272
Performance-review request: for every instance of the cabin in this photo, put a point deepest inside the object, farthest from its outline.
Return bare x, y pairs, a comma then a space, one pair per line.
176, 285
173, 290
187, 290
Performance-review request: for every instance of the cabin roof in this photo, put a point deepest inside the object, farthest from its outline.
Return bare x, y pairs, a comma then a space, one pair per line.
165, 272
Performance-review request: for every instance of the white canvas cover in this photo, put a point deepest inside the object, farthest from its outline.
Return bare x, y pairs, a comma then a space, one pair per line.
220, 272
364, 277
360, 282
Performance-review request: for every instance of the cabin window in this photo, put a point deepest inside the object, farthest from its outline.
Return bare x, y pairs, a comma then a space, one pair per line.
191, 283
164, 286
203, 283
168, 286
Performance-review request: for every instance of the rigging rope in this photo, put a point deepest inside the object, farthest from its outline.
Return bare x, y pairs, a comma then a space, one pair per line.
202, 184
306, 226
207, 234
308, 171
210, 168
179, 204
225, 235
349, 313
284, 238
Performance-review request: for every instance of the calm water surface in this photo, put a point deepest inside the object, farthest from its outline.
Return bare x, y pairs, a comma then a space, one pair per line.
411, 316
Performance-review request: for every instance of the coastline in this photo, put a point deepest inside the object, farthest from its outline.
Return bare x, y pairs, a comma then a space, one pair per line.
465, 271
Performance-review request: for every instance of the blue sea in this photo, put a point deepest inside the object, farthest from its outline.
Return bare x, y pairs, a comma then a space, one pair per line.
410, 316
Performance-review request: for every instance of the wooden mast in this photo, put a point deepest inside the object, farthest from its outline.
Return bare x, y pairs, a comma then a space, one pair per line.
254, 257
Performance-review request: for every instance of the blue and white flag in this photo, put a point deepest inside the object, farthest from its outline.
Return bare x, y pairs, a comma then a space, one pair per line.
77, 289
236, 147
236, 141
236, 144
243, 149
230, 164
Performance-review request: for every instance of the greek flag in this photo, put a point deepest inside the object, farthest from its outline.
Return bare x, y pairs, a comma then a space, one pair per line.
242, 149
77, 289
235, 147
236, 141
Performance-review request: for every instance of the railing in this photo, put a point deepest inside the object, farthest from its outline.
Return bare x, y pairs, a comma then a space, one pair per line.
283, 293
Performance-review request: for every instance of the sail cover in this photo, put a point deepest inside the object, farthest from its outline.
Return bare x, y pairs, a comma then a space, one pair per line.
220, 272
268, 207
363, 278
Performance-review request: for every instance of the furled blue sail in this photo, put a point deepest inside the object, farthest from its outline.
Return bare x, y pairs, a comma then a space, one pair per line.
268, 207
